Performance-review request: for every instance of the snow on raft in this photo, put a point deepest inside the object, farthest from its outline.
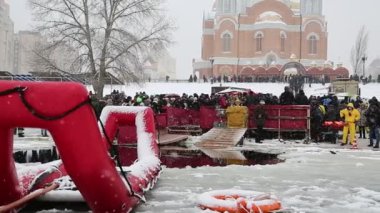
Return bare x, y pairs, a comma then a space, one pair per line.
67, 191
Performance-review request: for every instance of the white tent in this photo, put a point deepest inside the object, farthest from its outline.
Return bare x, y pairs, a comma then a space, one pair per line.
291, 71
233, 90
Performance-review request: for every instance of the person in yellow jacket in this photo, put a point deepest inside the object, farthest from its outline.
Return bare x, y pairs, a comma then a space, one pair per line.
350, 116
237, 115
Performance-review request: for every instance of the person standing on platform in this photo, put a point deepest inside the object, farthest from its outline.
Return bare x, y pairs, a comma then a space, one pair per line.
351, 116
259, 117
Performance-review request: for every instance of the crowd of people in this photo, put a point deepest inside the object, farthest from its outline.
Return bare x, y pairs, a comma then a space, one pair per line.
195, 101
356, 114
291, 79
275, 78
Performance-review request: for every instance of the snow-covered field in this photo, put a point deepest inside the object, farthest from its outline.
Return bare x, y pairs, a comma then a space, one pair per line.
314, 178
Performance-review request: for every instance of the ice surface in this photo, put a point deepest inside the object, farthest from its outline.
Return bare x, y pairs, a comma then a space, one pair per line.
312, 179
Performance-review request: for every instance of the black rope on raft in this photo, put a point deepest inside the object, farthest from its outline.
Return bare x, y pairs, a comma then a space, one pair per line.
51, 118
13, 90
115, 155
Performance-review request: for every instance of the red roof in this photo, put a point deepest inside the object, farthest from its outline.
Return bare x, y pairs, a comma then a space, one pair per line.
260, 71
273, 71
342, 71
247, 71
328, 71
314, 71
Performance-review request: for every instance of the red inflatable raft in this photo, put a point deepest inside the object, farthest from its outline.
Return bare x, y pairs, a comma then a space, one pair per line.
64, 110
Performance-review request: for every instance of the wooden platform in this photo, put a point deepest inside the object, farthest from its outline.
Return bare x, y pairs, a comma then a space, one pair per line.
185, 129
223, 154
218, 138
165, 139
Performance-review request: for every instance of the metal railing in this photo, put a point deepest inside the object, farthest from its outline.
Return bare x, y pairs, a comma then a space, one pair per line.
35, 78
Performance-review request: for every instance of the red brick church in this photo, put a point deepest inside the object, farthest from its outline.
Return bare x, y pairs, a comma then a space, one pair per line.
266, 39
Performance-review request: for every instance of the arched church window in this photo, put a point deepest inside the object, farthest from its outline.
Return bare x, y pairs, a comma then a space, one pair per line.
312, 44
226, 42
259, 41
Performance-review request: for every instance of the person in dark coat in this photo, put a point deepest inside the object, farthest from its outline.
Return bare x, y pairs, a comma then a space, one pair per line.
373, 120
250, 100
358, 102
332, 114
259, 118
301, 98
287, 97
316, 119
362, 123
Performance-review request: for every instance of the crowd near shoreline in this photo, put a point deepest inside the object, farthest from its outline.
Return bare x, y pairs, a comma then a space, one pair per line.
322, 108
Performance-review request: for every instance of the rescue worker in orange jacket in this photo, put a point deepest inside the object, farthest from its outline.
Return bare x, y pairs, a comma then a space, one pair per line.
350, 116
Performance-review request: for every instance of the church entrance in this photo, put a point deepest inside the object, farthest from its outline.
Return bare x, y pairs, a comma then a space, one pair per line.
294, 73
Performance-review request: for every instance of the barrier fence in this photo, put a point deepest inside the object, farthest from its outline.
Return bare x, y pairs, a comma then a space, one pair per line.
281, 118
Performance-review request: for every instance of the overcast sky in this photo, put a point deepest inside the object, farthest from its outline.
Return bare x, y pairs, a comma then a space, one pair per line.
344, 17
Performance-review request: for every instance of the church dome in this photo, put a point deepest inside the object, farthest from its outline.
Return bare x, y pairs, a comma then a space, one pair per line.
293, 57
270, 16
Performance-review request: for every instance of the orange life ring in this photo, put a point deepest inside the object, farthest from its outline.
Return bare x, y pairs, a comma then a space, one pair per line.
239, 201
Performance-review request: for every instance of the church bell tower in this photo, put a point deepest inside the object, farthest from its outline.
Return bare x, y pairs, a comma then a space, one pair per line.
226, 6
311, 7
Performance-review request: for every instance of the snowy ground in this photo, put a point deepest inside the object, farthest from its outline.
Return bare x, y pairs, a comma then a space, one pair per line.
314, 178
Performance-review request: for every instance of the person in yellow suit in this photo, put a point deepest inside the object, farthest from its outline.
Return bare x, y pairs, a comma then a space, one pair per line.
350, 116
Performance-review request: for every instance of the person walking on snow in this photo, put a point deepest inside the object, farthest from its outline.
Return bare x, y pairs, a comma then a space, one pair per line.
350, 116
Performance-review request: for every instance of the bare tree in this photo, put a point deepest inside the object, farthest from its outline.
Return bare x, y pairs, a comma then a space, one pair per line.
109, 35
359, 50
